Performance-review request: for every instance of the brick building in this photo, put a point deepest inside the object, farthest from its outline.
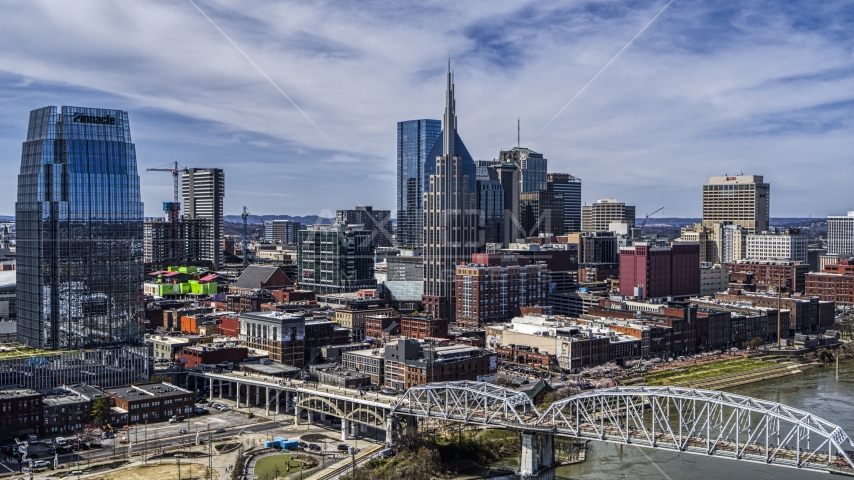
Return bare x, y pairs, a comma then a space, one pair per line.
423, 327
371, 362
20, 412
409, 363
153, 402
211, 354
767, 275
381, 327
493, 287
808, 314
835, 283
229, 326
353, 317
257, 277
660, 272
282, 335
65, 411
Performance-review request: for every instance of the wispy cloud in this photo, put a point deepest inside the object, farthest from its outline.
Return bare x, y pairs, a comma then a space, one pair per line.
758, 86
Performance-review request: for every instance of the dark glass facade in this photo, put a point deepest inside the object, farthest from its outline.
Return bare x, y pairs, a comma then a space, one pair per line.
415, 141
79, 231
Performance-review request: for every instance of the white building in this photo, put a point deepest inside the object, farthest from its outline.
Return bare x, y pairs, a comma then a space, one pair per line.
713, 279
840, 234
790, 246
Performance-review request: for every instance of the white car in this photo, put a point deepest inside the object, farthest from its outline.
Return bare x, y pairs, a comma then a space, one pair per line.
41, 463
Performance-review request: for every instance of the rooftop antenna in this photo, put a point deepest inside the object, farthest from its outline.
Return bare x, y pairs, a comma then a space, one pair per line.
519, 132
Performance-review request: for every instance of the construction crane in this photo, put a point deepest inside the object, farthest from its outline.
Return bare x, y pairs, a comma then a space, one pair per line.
647, 218
173, 208
244, 241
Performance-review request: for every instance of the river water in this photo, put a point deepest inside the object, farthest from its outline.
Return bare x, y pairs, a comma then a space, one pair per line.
817, 391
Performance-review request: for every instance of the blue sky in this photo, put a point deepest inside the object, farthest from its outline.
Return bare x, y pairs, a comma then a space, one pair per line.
711, 87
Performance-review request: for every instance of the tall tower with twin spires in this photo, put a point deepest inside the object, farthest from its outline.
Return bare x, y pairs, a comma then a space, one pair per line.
450, 219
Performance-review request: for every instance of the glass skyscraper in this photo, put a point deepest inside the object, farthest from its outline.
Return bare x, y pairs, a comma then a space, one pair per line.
418, 146
415, 141
79, 231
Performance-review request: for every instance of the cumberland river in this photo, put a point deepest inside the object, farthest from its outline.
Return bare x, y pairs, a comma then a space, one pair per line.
817, 391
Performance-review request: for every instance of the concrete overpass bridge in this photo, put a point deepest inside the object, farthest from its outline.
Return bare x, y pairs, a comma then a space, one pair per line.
702, 422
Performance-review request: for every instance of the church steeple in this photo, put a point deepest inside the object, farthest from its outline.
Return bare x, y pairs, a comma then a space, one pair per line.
450, 120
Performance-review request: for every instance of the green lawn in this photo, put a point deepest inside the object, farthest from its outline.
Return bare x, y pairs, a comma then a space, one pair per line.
704, 371
265, 469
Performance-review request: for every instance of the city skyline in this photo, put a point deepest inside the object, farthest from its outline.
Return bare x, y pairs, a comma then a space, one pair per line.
683, 102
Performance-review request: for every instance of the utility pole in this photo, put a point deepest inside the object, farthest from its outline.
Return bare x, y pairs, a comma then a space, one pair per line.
779, 302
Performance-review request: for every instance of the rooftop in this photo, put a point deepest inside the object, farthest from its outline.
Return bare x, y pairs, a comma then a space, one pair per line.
147, 390
17, 393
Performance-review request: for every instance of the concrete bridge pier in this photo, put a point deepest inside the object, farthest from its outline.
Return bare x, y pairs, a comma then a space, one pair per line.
391, 429
345, 430
537, 460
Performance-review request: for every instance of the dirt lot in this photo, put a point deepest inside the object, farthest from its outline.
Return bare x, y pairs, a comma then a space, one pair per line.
159, 472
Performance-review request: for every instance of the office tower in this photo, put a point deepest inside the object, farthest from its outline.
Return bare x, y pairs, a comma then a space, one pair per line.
649, 271
415, 141
533, 168
79, 231
740, 200
508, 176
570, 187
598, 217
192, 245
281, 231
203, 190
450, 219
490, 204
541, 212
840, 234
335, 258
377, 221
598, 247
786, 245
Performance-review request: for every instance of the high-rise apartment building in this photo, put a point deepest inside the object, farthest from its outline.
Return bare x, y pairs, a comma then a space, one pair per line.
597, 217
415, 141
204, 190
533, 168
450, 213
281, 231
719, 243
377, 221
191, 247
492, 287
738, 200
570, 187
79, 231
840, 234
787, 245
541, 212
335, 258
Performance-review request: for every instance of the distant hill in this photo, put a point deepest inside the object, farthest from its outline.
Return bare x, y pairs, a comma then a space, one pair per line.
304, 220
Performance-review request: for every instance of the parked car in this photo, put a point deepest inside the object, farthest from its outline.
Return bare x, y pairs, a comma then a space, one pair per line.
182, 431
302, 445
342, 447
388, 391
47, 442
219, 430
314, 446
224, 408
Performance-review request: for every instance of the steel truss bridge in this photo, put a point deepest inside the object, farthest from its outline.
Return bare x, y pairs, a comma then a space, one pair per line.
703, 422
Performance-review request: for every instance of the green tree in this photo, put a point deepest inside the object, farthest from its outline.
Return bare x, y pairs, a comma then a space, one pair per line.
101, 409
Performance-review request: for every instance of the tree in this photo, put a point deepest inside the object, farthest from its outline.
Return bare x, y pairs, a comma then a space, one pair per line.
91, 432
100, 409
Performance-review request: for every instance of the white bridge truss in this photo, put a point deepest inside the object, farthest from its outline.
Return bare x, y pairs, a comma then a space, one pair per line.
470, 402
687, 420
